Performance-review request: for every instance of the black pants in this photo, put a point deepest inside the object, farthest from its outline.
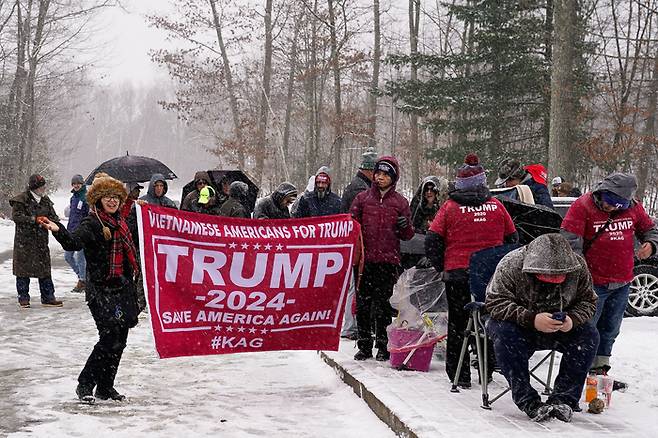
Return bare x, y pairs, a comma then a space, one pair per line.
103, 362
458, 294
372, 305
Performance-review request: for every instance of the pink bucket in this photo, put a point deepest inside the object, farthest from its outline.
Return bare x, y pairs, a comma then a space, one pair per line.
421, 356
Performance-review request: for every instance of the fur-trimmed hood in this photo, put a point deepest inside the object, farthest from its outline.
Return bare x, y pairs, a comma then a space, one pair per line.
105, 186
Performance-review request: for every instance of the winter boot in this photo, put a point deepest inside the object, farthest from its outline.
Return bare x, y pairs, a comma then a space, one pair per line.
538, 411
107, 394
85, 394
53, 302
79, 287
382, 355
25, 304
363, 354
562, 412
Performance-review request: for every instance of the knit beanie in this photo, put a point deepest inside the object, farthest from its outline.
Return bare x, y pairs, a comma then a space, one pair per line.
322, 177
368, 159
388, 168
470, 174
36, 181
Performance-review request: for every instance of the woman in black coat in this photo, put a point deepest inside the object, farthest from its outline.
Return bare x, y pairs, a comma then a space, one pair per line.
111, 270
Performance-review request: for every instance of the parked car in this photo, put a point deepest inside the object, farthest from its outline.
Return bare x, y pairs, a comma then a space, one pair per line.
643, 298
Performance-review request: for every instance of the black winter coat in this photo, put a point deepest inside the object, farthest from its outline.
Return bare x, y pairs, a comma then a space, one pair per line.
359, 183
89, 238
31, 253
310, 205
233, 208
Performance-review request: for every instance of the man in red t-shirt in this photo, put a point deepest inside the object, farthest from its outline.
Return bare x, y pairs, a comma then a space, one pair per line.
601, 226
470, 220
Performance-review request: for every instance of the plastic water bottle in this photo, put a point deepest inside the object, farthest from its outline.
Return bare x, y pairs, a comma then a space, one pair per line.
591, 387
605, 384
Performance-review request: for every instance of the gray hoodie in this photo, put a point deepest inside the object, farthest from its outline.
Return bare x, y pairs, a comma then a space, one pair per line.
621, 184
516, 295
150, 194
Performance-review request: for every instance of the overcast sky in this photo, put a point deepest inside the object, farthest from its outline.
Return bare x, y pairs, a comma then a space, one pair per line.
124, 50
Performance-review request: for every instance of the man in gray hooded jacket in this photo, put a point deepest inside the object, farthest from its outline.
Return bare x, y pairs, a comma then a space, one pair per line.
602, 226
541, 298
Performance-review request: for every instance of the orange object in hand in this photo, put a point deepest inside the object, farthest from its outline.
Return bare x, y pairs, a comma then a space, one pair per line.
42, 219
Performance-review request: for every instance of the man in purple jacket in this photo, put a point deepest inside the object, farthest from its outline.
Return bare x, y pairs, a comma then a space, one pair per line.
385, 218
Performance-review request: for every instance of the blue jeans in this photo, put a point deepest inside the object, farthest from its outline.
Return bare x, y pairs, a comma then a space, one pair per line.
609, 315
77, 262
514, 345
46, 287
349, 321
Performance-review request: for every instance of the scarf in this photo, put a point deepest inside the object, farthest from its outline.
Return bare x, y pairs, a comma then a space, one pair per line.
122, 244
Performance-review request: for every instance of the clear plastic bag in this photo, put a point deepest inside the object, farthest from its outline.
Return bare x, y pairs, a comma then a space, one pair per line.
419, 298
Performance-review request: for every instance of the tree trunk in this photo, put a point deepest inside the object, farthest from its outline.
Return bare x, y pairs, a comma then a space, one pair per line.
374, 83
337, 152
647, 157
548, 56
261, 140
414, 144
562, 104
233, 100
291, 87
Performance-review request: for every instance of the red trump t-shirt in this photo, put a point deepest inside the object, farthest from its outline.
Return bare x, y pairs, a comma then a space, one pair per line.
466, 229
610, 257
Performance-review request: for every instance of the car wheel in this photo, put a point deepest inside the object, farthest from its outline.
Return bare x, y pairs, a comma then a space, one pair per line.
643, 297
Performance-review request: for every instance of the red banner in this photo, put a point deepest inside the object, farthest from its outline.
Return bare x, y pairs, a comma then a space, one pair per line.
218, 285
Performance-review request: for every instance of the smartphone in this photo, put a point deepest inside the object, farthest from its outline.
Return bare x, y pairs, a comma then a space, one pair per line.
559, 316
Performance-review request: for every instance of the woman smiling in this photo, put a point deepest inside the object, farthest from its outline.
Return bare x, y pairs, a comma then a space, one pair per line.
111, 270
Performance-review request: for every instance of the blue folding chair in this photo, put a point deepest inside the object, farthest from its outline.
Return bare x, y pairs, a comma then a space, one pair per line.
482, 266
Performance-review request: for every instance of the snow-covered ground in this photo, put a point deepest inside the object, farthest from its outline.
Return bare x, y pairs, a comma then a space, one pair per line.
277, 394
260, 394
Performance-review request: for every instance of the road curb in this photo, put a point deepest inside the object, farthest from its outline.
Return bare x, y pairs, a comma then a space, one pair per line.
380, 409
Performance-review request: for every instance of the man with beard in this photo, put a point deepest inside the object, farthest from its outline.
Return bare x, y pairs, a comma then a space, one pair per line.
385, 219
321, 201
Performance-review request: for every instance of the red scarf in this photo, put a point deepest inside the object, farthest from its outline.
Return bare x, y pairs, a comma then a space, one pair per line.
122, 244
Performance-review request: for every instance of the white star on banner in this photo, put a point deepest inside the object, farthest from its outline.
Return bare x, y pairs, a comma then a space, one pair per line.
279, 247
232, 245
263, 331
268, 247
218, 328
245, 246
256, 246
229, 329
241, 329
252, 330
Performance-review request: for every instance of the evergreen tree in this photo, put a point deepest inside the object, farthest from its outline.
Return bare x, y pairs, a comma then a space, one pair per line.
493, 96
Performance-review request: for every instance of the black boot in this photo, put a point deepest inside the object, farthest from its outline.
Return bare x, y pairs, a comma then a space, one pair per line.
85, 394
107, 394
383, 355
538, 411
363, 354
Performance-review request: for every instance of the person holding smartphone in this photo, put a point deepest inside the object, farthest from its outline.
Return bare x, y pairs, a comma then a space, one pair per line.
541, 298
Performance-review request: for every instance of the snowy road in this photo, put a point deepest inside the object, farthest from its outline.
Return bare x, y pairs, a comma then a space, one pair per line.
275, 394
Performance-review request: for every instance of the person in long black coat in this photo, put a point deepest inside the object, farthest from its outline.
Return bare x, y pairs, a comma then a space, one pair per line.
110, 293
31, 257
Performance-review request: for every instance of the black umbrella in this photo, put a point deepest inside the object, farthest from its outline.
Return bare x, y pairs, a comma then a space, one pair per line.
216, 178
132, 168
531, 220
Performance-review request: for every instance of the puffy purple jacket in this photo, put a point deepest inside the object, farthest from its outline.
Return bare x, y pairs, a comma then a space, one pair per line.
378, 218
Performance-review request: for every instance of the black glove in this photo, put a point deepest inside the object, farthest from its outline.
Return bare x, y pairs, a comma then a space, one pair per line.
424, 263
402, 222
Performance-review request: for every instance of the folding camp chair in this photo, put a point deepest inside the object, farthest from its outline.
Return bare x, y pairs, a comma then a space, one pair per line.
481, 268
